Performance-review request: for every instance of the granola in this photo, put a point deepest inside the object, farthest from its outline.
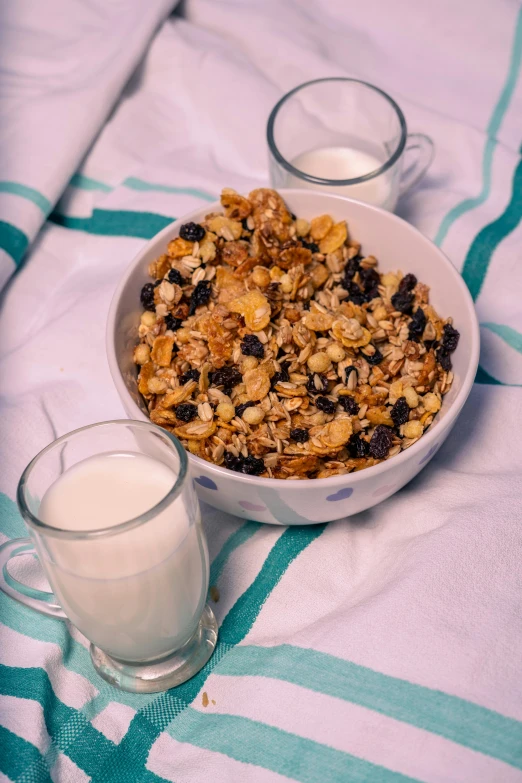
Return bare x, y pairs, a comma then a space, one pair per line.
272, 346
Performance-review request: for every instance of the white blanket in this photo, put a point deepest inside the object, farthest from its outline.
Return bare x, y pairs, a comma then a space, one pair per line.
387, 647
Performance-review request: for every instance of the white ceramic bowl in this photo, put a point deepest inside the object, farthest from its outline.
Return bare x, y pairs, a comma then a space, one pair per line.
397, 245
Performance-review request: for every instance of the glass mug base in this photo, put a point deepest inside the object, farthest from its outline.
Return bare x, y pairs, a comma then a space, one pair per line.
167, 672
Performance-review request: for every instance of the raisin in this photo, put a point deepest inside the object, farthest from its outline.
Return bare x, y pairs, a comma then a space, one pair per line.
369, 278
417, 325
355, 294
186, 411
294, 217
358, 447
244, 223
348, 404
312, 246
175, 277
227, 377
252, 466
400, 412
347, 373
147, 296
200, 295
232, 462
281, 376
444, 359
310, 384
252, 346
403, 302
324, 404
351, 268
192, 232
157, 283
172, 323
243, 407
299, 435
306, 305
190, 375
375, 358
381, 441
407, 284
450, 338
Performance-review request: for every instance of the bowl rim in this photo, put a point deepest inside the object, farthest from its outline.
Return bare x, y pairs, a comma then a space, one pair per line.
427, 440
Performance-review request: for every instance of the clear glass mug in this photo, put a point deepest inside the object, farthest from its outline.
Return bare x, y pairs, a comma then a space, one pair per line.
136, 590
324, 129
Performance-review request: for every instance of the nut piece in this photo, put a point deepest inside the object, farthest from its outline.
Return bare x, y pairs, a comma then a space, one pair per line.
336, 352
302, 227
257, 384
142, 353
318, 322
319, 362
226, 411
254, 415
235, 206
161, 352
179, 247
431, 402
261, 277
148, 318
225, 227
412, 398
334, 239
412, 429
320, 226
255, 309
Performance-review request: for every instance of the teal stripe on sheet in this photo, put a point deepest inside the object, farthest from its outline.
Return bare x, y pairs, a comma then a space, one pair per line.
298, 758
238, 538
455, 719
17, 755
489, 238
493, 127
115, 223
485, 378
30, 194
506, 333
88, 183
129, 758
134, 183
13, 240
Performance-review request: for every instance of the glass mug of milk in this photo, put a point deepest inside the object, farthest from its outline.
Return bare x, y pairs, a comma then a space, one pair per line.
115, 521
346, 137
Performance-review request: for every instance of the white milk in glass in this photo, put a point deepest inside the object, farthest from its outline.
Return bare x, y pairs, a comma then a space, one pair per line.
344, 163
137, 595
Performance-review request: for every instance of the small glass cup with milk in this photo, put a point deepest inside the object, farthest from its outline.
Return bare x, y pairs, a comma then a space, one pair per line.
115, 520
346, 137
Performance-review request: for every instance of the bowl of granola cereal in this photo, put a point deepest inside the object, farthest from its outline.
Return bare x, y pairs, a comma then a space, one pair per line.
310, 352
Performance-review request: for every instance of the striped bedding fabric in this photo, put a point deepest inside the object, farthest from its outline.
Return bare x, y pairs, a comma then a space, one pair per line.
386, 648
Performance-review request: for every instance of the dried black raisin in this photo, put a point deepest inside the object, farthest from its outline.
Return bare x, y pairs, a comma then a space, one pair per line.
172, 323
190, 375
381, 441
252, 346
227, 377
375, 358
450, 338
243, 407
192, 232
444, 359
186, 411
403, 302
232, 462
175, 277
407, 283
315, 380
244, 223
200, 295
299, 435
348, 372
358, 447
325, 405
282, 375
351, 268
355, 294
312, 246
400, 412
347, 403
147, 296
417, 325
252, 466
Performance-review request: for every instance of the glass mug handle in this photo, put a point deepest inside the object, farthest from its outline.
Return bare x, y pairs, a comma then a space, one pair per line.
423, 150
39, 600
